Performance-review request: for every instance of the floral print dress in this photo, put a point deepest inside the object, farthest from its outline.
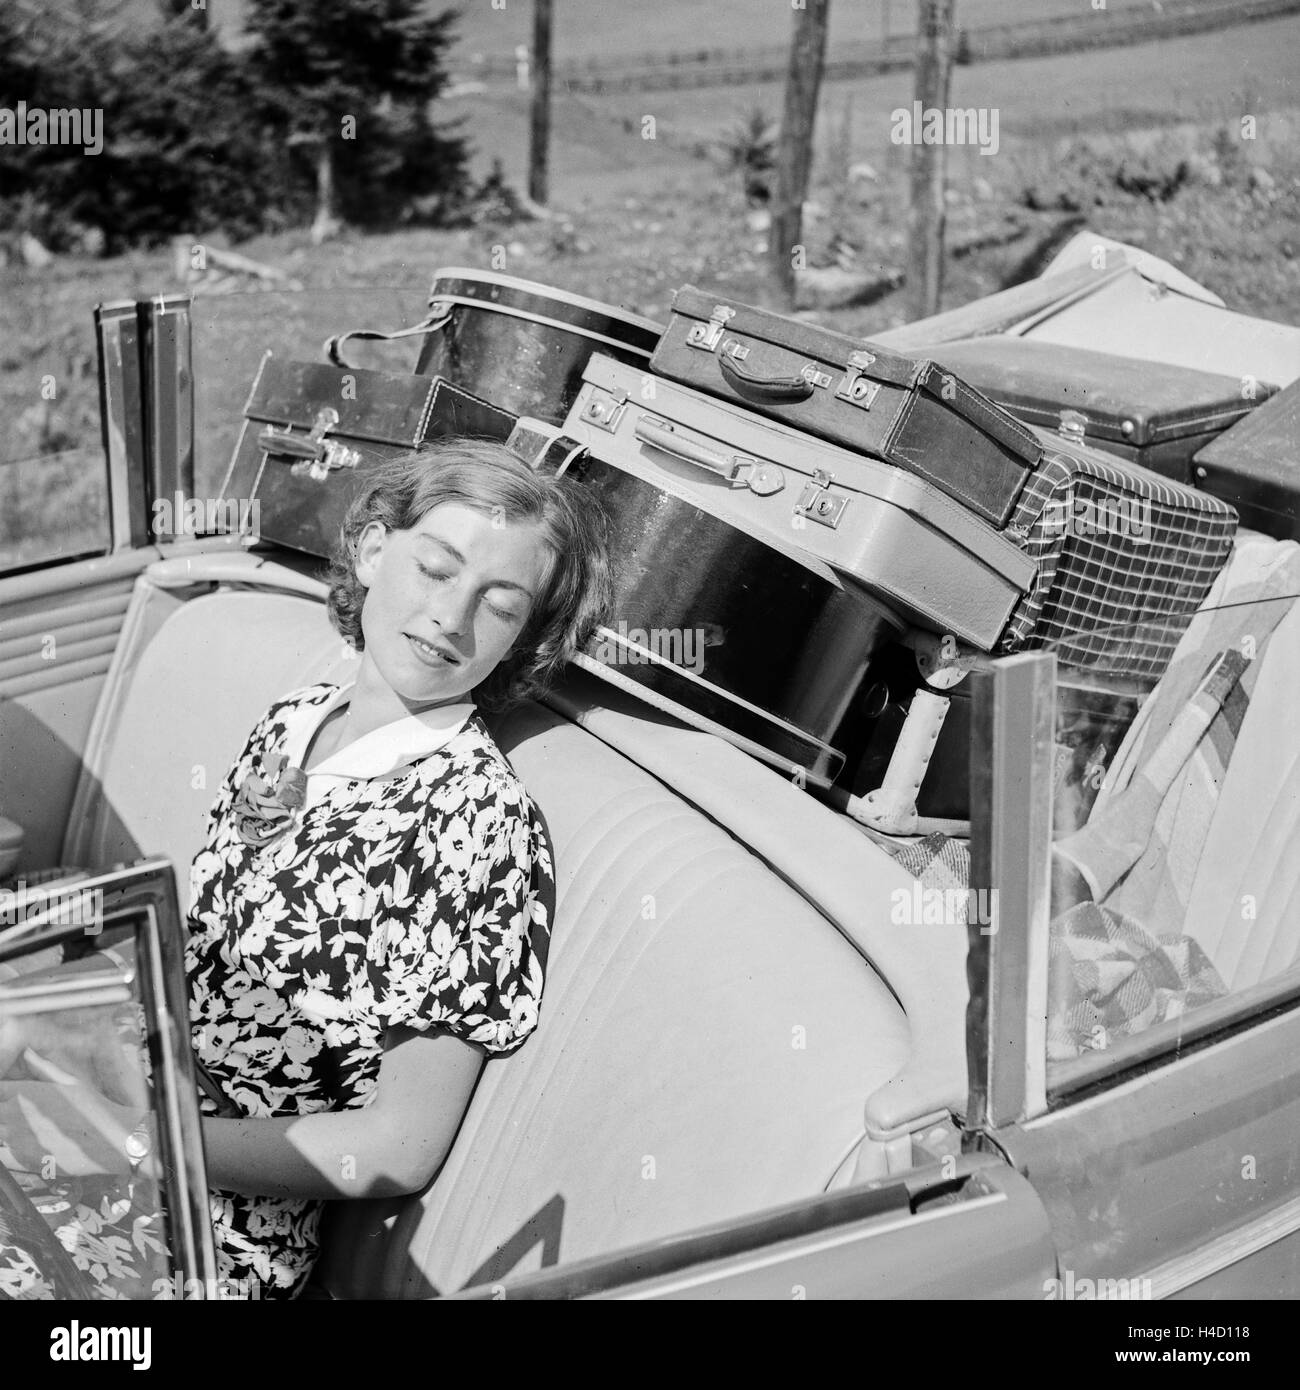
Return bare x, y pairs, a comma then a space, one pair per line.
411, 884
414, 887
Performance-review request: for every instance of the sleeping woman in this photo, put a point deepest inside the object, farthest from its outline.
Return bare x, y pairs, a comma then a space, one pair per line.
372, 904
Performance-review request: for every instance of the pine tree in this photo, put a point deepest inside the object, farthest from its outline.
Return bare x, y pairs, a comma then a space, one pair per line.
351, 81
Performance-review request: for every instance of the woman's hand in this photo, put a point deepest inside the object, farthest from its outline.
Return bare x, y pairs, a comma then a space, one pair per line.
64, 1130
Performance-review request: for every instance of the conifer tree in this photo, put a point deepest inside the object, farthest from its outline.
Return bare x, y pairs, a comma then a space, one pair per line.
351, 81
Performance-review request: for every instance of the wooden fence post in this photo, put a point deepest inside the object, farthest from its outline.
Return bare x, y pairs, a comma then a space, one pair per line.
795, 149
540, 126
926, 214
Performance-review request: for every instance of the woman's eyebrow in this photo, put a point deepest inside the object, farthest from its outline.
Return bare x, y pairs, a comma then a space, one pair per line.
460, 560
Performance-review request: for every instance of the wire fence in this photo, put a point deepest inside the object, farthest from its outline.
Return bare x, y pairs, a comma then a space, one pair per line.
717, 67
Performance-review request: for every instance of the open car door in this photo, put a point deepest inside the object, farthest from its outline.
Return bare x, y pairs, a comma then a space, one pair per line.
103, 1193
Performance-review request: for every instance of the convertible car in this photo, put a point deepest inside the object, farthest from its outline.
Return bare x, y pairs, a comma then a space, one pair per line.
782, 1055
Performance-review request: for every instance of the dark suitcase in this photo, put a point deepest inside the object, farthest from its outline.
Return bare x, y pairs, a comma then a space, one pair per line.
902, 540
1255, 466
1124, 558
728, 629
311, 429
911, 413
1150, 413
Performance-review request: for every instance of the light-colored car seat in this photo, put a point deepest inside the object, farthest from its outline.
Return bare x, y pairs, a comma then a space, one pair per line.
708, 1038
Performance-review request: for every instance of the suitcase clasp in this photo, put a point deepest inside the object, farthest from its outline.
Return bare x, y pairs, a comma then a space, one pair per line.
605, 410
312, 453
857, 388
1073, 426
706, 336
819, 504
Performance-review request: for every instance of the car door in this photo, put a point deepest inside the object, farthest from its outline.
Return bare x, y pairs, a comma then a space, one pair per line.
968, 1227
103, 1192
76, 534
1164, 1149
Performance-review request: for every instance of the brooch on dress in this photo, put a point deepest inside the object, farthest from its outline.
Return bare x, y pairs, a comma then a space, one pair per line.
264, 808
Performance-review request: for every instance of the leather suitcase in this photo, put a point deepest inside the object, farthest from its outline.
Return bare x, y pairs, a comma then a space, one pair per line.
311, 429
1255, 466
889, 532
911, 413
1124, 558
1150, 413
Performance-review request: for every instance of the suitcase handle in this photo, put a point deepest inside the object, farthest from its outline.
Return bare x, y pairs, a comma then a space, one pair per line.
776, 390
763, 478
432, 324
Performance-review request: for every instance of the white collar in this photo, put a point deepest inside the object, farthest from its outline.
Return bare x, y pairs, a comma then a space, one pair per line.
383, 750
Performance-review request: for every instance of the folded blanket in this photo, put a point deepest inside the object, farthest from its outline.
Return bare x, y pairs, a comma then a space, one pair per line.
1110, 978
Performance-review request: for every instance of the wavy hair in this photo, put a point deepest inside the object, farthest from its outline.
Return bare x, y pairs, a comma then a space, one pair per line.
576, 593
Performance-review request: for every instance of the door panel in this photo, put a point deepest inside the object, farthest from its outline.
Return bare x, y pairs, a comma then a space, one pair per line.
977, 1231
1169, 1172
58, 629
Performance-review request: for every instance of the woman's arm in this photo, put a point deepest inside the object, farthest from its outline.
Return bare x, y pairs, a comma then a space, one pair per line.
390, 1147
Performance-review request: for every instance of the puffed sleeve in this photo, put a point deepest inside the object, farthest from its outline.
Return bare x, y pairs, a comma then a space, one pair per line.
470, 923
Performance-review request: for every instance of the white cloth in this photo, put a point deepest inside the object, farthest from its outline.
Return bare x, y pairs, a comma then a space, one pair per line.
384, 752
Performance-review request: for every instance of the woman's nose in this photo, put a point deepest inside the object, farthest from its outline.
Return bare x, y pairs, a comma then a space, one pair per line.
453, 609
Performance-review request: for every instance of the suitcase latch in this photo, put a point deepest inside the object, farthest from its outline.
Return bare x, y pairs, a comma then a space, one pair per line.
312, 453
706, 336
605, 409
1073, 426
857, 388
818, 503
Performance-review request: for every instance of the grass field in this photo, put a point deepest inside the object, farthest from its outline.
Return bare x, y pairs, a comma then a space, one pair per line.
639, 217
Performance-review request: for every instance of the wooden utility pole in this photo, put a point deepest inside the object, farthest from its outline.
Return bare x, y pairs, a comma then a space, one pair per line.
540, 127
925, 221
795, 149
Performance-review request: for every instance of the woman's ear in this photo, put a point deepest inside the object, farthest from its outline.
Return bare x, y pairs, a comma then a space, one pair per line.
370, 546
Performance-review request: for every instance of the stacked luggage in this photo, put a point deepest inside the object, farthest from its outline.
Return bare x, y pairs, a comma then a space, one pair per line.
844, 530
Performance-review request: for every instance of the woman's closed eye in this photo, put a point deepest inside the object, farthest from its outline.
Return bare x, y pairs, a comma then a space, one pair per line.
506, 615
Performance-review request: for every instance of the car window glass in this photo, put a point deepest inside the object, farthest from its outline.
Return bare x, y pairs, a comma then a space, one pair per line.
53, 483
80, 1203
1171, 888
53, 506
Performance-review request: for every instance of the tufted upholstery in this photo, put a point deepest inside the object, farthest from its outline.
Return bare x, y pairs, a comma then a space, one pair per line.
708, 1040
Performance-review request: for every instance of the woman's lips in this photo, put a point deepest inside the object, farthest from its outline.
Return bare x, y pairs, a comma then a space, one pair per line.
437, 657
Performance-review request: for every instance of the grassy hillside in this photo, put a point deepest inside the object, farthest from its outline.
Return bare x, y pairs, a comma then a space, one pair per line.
635, 218
586, 29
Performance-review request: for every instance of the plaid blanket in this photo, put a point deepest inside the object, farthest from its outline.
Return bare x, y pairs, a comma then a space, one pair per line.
1110, 978
1107, 976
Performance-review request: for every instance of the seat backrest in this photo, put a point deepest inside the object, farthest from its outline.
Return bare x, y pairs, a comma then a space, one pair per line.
707, 1041
1218, 862
188, 682
1244, 903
